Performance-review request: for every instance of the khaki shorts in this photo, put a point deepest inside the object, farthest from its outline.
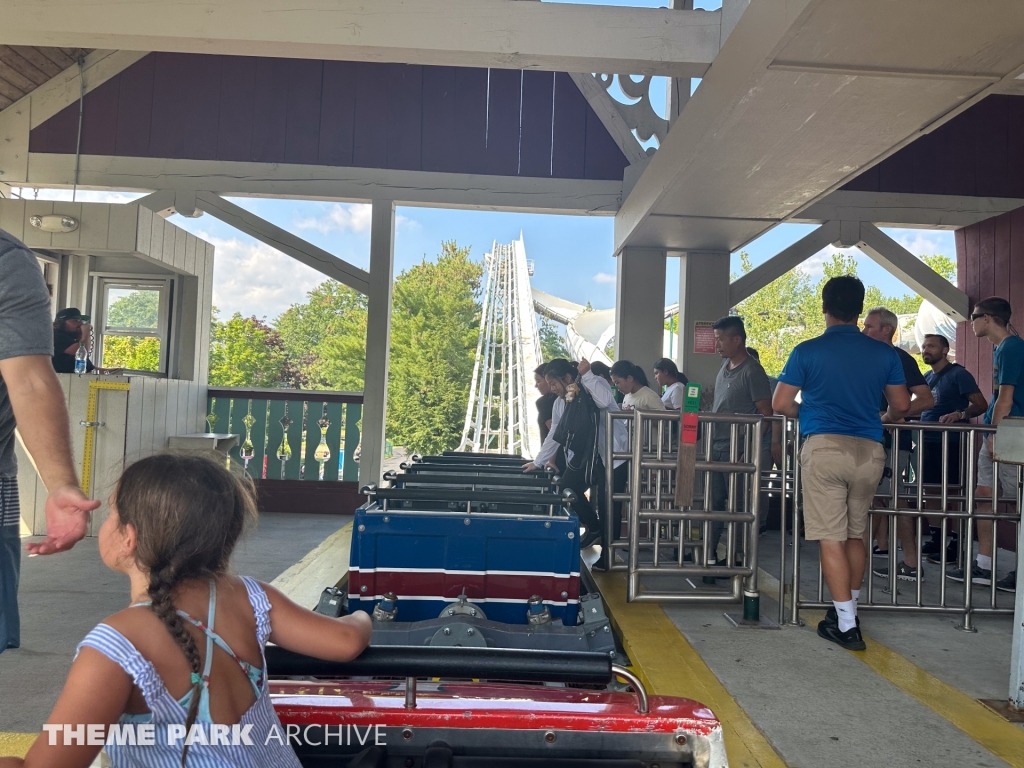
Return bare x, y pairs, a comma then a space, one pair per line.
839, 475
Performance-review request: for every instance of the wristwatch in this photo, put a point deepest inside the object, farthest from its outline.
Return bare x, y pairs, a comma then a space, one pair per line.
963, 415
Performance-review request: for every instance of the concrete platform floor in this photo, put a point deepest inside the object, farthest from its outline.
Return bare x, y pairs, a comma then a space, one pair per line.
818, 705
63, 596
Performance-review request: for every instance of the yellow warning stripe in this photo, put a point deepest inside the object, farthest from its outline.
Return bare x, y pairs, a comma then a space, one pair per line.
16, 744
1001, 738
90, 431
669, 666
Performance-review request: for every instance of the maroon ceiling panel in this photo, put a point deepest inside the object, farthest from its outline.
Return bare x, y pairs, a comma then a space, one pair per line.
535, 145
980, 152
310, 112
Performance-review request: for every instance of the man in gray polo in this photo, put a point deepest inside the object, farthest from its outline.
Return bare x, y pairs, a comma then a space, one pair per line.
741, 387
31, 393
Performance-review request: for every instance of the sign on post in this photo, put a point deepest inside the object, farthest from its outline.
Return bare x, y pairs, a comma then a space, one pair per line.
687, 461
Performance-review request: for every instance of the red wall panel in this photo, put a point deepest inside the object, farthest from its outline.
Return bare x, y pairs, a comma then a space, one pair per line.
990, 262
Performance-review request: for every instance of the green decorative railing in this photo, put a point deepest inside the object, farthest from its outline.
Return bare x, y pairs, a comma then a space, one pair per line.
288, 434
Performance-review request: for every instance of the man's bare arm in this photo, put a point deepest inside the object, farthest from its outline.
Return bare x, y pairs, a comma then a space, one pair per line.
42, 417
921, 399
784, 400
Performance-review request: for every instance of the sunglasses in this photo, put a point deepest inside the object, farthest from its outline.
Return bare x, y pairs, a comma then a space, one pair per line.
976, 315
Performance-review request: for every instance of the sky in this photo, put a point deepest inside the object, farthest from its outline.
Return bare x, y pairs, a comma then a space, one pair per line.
572, 254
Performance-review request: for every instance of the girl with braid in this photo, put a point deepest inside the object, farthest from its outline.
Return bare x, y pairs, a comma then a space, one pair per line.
188, 652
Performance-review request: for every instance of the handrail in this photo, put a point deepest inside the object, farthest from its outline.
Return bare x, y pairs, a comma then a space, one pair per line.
317, 395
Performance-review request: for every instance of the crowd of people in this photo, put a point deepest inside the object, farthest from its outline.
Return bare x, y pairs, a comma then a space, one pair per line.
850, 461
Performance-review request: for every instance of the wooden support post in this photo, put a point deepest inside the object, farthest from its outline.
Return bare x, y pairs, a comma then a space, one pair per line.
378, 339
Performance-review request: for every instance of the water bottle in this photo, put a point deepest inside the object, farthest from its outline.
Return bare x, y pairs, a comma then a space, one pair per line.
81, 359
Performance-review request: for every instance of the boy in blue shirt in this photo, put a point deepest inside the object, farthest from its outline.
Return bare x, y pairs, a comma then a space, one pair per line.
842, 375
991, 320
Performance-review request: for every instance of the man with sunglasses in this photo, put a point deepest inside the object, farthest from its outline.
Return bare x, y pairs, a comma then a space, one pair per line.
991, 320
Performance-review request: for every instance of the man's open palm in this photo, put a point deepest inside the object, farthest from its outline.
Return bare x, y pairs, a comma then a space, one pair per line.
68, 513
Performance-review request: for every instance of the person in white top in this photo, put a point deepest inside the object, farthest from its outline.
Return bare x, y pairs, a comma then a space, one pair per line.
631, 381
674, 382
560, 375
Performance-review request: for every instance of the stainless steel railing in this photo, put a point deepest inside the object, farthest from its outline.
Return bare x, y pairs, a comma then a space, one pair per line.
663, 539
953, 504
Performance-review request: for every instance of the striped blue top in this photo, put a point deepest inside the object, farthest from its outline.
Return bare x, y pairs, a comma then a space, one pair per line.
269, 747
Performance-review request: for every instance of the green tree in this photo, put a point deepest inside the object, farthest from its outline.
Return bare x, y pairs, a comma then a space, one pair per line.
138, 309
788, 310
133, 353
326, 337
552, 342
434, 325
433, 345
246, 352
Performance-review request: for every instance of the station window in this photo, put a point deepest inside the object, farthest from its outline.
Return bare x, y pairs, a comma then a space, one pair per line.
132, 328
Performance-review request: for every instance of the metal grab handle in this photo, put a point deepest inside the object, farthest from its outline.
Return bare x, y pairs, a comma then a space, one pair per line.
638, 687
92, 423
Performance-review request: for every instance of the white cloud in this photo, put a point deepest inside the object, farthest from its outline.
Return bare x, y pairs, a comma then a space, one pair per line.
921, 244
339, 217
604, 277
348, 217
254, 279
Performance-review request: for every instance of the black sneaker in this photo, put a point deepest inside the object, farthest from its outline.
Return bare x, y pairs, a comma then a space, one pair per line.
876, 552
1008, 583
715, 579
903, 571
833, 618
932, 547
952, 552
979, 575
851, 639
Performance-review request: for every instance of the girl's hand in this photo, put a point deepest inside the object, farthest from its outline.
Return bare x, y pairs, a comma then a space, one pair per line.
584, 366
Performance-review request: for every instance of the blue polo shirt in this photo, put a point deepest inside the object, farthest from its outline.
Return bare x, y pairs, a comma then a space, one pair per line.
1008, 368
842, 375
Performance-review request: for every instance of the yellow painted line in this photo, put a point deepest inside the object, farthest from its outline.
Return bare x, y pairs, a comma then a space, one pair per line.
90, 432
1003, 739
16, 744
669, 666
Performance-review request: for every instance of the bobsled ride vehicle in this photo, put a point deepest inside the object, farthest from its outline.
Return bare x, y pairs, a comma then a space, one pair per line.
485, 649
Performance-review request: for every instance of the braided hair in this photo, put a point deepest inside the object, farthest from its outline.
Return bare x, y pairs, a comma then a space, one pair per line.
188, 512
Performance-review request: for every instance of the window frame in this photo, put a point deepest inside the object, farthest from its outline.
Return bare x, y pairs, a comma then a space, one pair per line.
101, 291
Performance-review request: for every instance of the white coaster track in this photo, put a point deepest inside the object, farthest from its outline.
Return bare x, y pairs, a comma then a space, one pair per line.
500, 414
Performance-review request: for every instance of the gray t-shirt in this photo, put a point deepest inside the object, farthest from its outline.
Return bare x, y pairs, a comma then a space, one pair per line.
25, 327
736, 391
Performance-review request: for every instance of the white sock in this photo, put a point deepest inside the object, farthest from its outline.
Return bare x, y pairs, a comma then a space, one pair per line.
856, 599
847, 614
985, 562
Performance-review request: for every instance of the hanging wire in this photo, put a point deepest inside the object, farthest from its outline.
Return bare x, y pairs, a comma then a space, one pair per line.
81, 110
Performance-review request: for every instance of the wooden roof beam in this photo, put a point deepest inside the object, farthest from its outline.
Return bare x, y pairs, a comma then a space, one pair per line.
470, 33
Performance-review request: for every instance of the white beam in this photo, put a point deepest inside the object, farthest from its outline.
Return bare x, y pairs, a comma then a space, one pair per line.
378, 339
18, 119
473, 33
900, 209
747, 285
703, 298
284, 241
610, 116
639, 306
913, 272
318, 182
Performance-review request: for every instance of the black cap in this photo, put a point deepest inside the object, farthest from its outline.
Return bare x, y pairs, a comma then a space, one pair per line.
71, 313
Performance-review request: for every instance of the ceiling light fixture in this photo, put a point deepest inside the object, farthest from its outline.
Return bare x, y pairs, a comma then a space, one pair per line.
54, 222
